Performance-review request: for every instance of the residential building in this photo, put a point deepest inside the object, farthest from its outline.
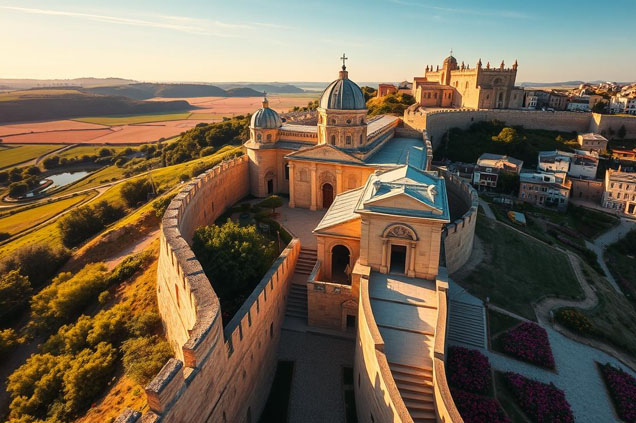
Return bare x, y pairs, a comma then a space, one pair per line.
489, 166
623, 154
545, 189
623, 104
386, 89
579, 104
554, 161
540, 99
592, 142
620, 191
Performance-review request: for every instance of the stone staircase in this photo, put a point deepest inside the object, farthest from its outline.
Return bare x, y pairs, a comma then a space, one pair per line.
416, 388
466, 324
306, 261
297, 300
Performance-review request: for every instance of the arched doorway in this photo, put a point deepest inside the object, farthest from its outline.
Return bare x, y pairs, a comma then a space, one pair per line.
327, 195
340, 264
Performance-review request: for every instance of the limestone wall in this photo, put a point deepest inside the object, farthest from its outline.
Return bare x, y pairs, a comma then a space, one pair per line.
218, 375
458, 236
377, 396
438, 122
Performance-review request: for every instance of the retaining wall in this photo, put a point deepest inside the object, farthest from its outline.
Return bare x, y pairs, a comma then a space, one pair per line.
218, 375
438, 122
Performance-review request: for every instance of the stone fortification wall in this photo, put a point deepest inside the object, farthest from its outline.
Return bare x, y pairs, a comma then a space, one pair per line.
458, 236
438, 122
377, 395
218, 375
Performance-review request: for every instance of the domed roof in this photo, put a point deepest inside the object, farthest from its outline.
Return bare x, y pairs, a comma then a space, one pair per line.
265, 118
450, 60
343, 94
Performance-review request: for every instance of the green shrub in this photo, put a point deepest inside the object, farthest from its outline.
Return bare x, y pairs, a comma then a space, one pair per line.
233, 257
15, 291
272, 202
83, 222
206, 151
136, 191
104, 297
507, 135
9, 339
575, 321
18, 189
67, 295
160, 205
37, 262
144, 357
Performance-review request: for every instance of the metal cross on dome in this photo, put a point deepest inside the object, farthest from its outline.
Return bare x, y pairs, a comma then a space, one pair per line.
343, 58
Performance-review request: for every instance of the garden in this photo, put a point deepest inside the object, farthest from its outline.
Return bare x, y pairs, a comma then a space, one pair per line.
540, 402
622, 390
470, 378
526, 342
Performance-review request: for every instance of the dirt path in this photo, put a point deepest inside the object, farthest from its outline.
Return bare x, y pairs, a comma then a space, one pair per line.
134, 248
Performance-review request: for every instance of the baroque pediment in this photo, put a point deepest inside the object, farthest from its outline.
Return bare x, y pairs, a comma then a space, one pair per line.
324, 152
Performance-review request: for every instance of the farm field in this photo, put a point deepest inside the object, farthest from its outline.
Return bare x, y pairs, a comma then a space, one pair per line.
15, 154
28, 218
54, 125
231, 106
71, 136
134, 119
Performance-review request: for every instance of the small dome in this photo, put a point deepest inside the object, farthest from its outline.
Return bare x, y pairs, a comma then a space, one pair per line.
343, 94
450, 60
265, 118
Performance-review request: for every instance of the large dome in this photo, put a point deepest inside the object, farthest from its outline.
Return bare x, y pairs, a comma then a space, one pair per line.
343, 94
265, 118
451, 61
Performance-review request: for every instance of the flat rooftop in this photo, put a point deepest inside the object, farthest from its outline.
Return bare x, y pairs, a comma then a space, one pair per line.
396, 151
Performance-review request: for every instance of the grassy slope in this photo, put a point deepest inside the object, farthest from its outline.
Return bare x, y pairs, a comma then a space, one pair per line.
115, 120
12, 155
164, 179
31, 217
89, 150
518, 270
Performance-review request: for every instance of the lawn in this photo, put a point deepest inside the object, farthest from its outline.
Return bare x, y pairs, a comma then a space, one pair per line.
28, 218
615, 316
518, 270
621, 260
468, 145
11, 155
116, 120
499, 322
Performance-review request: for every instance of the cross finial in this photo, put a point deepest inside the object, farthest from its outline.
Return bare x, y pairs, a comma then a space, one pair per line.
451, 51
343, 58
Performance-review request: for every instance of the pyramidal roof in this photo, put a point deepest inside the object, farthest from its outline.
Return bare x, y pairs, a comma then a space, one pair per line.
405, 191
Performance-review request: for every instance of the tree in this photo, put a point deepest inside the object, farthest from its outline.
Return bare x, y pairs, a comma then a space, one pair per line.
622, 132
144, 357
78, 225
508, 183
507, 135
51, 162
18, 189
15, 291
4, 177
600, 107
136, 191
105, 152
37, 262
233, 257
15, 175
272, 202
9, 339
30, 171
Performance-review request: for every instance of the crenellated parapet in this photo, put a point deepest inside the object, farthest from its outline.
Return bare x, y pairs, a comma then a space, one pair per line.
218, 374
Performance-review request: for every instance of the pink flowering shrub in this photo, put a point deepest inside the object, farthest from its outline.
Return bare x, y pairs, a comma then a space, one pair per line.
541, 402
468, 370
477, 409
528, 342
622, 388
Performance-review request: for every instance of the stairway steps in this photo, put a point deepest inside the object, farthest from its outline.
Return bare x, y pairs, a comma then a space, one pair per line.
426, 397
421, 370
416, 405
426, 390
402, 379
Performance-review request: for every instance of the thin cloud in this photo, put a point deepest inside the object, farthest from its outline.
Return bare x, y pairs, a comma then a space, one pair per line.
474, 12
200, 29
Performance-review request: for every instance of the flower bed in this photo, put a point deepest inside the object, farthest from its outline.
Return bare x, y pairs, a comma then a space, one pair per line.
541, 402
477, 409
528, 342
575, 321
468, 370
622, 389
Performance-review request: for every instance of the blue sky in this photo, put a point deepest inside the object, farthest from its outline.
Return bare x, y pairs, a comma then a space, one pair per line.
271, 40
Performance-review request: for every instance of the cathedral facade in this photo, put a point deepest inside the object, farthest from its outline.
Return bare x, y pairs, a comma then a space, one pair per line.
481, 87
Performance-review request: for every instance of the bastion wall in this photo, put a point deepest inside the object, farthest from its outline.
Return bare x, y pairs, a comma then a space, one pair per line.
458, 236
438, 122
218, 374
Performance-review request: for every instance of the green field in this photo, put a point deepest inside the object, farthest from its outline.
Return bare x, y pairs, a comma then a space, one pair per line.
518, 270
89, 150
202, 116
18, 95
11, 155
132, 119
28, 218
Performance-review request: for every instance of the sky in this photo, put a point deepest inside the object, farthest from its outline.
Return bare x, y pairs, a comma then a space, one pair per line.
272, 40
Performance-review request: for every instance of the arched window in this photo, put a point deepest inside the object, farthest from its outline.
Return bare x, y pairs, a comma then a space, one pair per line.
269, 137
348, 121
348, 139
360, 139
259, 137
333, 140
466, 84
361, 120
333, 121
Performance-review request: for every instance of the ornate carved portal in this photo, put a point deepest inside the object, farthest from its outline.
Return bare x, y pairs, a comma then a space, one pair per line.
398, 250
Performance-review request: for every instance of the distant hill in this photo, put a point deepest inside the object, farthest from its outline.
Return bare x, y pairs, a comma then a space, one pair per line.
552, 84
243, 92
50, 104
25, 84
274, 88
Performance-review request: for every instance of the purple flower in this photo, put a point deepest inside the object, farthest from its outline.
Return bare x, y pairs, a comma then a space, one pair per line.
529, 342
543, 403
622, 388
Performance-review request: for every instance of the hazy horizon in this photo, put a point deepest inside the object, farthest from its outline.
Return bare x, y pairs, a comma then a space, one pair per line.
385, 40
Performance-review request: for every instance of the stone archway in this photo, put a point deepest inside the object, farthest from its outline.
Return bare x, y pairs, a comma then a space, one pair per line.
327, 195
270, 182
399, 242
340, 264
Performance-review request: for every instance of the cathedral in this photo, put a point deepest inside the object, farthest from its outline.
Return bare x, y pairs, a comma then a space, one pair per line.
481, 87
